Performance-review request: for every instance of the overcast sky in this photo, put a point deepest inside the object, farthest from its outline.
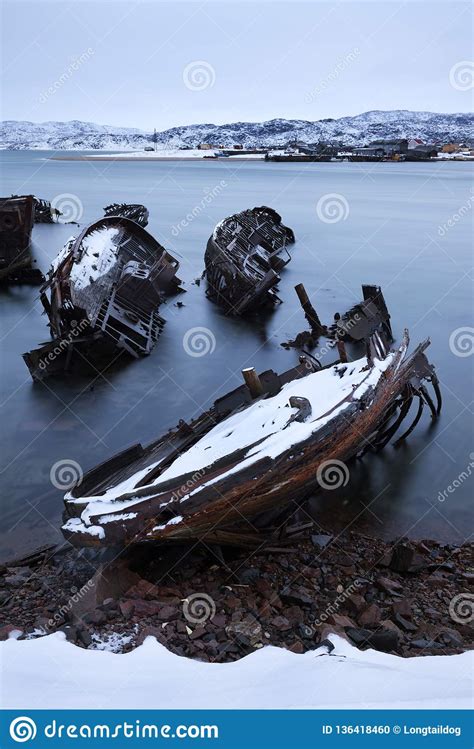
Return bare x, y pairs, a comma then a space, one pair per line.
156, 64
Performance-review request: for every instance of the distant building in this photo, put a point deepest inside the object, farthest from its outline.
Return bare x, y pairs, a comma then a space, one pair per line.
423, 152
376, 152
391, 147
205, 146
450, 147
414, 142
237, 147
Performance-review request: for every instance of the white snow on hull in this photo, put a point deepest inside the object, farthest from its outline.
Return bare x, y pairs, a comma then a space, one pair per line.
263, 421
50, 672
99, 255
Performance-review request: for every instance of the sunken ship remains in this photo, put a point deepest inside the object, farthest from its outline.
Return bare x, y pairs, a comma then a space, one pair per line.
243, 257
259, 448
17, 215
103, 293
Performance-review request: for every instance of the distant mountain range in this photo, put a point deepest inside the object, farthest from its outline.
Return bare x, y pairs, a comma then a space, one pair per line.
430, 127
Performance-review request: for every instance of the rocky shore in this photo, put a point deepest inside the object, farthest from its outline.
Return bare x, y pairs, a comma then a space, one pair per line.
408, 598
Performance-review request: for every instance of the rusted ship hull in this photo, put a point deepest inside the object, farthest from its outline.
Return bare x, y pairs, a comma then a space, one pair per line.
363, 319
16, 223
188, 484
105, 289
243, 257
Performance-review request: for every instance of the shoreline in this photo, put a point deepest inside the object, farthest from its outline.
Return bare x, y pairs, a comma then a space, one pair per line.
149, 158
229, 159
397, 598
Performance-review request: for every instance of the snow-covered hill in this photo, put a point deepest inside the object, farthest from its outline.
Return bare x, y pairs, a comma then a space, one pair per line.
363, 128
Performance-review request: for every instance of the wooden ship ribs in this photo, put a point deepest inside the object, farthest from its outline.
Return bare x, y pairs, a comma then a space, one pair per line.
243, 257
260, 447
103, 292
134, 211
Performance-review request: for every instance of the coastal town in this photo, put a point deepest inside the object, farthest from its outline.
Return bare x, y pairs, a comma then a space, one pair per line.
396, 150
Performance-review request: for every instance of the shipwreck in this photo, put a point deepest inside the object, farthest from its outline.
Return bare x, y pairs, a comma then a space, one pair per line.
17, 215
134, 211
243, 257
45, 213
103, 293
260, 447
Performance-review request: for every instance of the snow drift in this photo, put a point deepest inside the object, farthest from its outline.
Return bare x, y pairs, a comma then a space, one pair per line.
50, 672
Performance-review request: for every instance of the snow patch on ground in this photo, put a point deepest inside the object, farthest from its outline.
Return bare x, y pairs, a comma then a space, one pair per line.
113, 642
50, 672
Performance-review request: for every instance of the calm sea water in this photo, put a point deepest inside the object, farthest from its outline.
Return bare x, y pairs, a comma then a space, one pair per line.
390, 236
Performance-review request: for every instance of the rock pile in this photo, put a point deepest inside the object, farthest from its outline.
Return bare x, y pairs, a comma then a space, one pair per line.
408, 598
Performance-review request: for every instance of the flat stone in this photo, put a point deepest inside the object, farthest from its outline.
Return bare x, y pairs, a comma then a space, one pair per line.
246, 632
384, 640
388, 585
404, 623
142, 589
167, 613
403, 607
298, 596
146, 608
321, 540
340, 620
423, 643
249, 576
355, 603
297, 647
370, 616
15, 581
281, 623
126, 608
197, 633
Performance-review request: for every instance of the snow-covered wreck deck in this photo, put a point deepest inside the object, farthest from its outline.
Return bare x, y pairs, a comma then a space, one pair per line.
105, 287
257, 447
